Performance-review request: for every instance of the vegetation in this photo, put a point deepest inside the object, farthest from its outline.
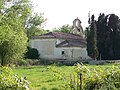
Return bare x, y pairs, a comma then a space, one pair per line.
108, 32
63, 77
65, 28
34, 25
10, 81
43, 77
99, 78
17, 25
91, 39
32, 53
108, 36
13, 40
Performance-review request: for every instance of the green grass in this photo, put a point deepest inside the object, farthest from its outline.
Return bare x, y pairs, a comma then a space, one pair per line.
42, 77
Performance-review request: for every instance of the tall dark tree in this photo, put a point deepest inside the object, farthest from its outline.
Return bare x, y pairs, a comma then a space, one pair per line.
113, 25
103, 37
91, 39
108, 36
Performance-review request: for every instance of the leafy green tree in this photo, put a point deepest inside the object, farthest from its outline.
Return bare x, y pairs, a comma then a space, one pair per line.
13, 40
34, 25
91, 39
65, 28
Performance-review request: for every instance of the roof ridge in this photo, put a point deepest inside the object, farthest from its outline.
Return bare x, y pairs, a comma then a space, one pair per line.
68, 42
60, 35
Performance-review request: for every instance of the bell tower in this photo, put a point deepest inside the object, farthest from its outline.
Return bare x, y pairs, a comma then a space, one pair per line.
77, 28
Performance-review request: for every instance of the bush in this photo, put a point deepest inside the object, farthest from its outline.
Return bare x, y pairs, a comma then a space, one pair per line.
22, 62
99, 79
9, 81
36, 62
108, 79
87, 78
32, 53
28, 62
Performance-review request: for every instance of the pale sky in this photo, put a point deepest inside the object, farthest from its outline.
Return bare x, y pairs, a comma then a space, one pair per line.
60, 12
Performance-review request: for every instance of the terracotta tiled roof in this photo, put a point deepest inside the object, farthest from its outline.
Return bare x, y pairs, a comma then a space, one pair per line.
59, 35
72, 43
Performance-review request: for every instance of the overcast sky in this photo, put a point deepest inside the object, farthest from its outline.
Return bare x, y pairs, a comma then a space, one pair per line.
60, 12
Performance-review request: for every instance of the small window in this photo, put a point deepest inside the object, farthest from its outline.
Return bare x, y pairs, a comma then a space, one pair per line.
63, 52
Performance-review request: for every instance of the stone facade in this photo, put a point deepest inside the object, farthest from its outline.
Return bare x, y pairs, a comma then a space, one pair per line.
77, 28
60, 46
48, 50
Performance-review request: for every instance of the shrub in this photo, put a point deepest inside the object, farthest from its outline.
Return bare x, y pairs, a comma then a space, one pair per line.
9, 81
22, 62
99, 79
29, 61
87, 78
36, 62
109, 79
32, 53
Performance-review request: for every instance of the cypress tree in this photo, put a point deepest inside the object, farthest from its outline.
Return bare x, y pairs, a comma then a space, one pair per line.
114, 24
91, 39
103, 37
108, 36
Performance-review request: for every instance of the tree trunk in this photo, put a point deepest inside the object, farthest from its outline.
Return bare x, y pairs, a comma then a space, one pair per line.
80, 81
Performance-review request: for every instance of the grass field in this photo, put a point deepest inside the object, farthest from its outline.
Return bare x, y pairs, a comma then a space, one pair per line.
42, 77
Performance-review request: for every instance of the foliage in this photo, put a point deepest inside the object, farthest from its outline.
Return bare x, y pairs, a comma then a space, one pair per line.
108, 36
90, 78
65, 28
34, 25
32, 53
96, 78
22, 62
63, 77
13, 40
103, 79
15, 20
28, 62
91, 39
9, 81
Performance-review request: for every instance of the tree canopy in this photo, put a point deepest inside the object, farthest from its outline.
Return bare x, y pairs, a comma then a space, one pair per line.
13, 40
65, 28
108, 32
91, 39
108, 37
34, 25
